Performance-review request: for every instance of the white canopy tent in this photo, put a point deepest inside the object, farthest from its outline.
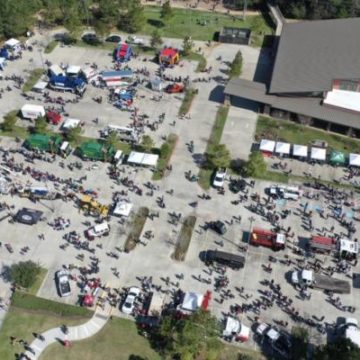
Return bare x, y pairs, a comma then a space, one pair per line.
73, 70
267, 145
56, 70
318, 154
138, 158
282, 148
300, 150
40, 86
192, 301
122, 208
13, 44
354, 160
70, 124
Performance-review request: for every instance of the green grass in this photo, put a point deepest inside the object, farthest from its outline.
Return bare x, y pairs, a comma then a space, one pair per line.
34, 77
185, 23
293, 133
30, 302
22, 323
187, 101
184, 239
117, 340
165, 157
18, 131
194, 56
32, 290
214, 139
50, 47
137, 227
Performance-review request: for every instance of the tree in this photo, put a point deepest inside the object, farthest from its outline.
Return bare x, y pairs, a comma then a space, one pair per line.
166, 10
156, 39
218, 157
112, 140
236, 66
300, 342
102, 27
188, 45
340, 349
256, 165
133, 19
73, 135
189, 338
147, 143
40, 126
25, 273
9, 122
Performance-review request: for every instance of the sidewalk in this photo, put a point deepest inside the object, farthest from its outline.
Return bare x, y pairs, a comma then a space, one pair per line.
76, 333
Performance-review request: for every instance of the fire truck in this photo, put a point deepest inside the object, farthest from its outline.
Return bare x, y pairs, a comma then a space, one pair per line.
267, 238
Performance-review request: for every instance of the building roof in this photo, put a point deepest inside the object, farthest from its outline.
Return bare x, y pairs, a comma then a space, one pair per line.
307, 106
311, 54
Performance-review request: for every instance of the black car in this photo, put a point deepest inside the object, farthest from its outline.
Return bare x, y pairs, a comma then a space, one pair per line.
218, 226
113, 38
91, 39
237, 185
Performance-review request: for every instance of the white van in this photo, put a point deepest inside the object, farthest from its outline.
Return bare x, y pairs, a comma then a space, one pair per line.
292, 193
102, 229
32, 112
124, 133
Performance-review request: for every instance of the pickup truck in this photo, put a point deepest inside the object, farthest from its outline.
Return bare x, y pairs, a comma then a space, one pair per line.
308, 278
63, 283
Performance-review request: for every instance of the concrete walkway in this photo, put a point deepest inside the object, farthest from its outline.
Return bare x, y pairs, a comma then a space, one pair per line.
75, 333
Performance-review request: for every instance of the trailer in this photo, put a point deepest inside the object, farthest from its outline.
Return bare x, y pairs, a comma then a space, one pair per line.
322, 244
68, 83
267, 238
117, 78
307, 278
32, 112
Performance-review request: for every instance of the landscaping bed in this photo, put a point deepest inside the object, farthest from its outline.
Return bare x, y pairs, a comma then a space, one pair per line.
184, 239
137, 228
187, 101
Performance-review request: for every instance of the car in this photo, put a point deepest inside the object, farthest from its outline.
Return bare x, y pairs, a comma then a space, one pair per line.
91, 39
219, 178
98, 230
113, 38
134, 40
63, 284
174, 88
237, 185
129, 303
218, 226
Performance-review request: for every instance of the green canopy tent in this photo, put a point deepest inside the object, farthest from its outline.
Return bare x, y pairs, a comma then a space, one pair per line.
43, 142
337, 158
93, 150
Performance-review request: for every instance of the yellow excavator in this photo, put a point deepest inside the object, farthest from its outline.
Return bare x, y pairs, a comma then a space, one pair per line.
93, 207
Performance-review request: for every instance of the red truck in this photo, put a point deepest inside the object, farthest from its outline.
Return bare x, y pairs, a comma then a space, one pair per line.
322, 244
267, 238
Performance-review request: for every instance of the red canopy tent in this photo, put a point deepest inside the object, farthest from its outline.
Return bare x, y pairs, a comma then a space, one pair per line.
206, 300
88, 300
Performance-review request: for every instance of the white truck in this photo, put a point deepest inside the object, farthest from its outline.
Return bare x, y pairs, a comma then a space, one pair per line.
234, 329
32, 112
307, 278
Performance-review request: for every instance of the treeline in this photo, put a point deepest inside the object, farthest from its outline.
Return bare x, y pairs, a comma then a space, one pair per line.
16, 17
319, 9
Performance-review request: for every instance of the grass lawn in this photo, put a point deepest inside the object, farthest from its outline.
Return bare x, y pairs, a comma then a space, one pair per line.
200, 25
117, 340
184, 239
18, 131
34, 77
138, 223
298, 134
50, 46
38, 282
214, 139
165, 157
193, 56
187, 101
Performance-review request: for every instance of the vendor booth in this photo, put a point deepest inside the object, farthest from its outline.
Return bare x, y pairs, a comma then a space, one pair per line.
337, 158
267, 147
354, 159
282, 148
318, 154
300, 151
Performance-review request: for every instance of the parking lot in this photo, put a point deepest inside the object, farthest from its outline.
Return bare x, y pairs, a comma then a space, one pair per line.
153, 258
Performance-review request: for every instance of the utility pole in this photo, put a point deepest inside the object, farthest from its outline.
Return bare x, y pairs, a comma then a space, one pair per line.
244, 10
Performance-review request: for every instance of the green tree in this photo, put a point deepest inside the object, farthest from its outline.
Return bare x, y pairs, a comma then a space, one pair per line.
147, 143
340, 349
300, 338
40, 126
9, 122
218, 157
102, 27
112, 140
191, 337
187, 45
166, 10
73, 135
256, 165
236, 66
133, 19
156, 39
25, 273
